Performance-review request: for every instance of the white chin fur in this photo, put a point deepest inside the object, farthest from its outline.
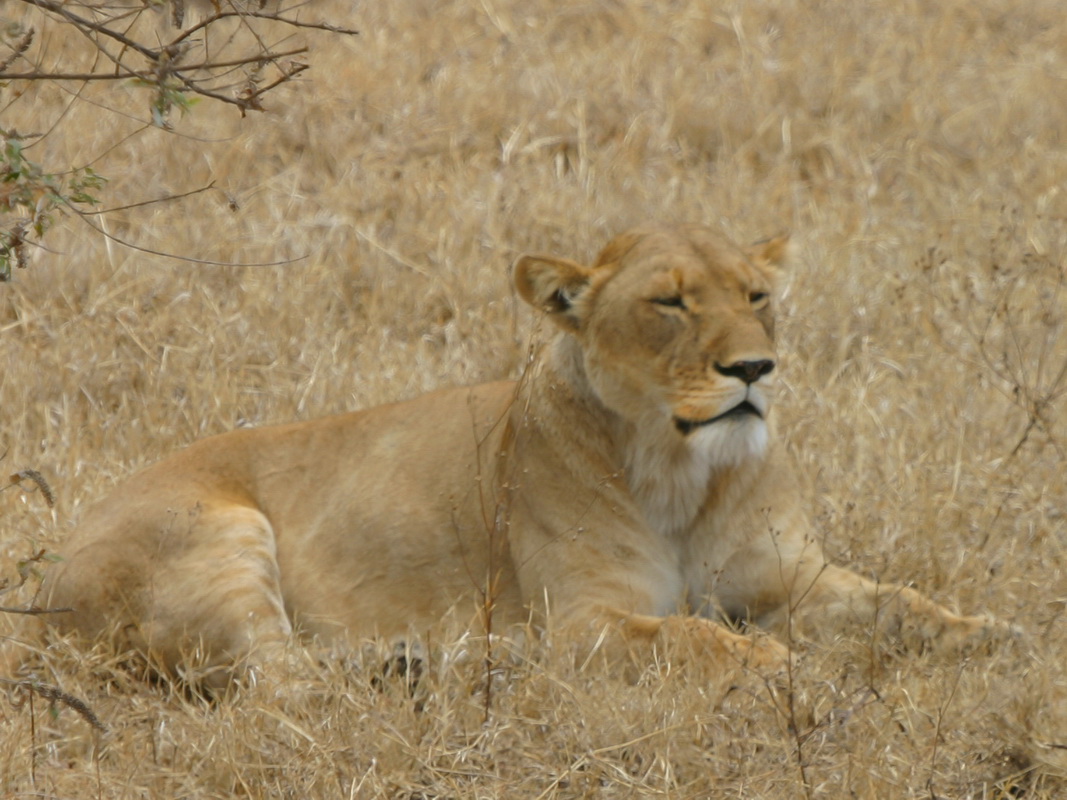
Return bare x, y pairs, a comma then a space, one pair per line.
730, 442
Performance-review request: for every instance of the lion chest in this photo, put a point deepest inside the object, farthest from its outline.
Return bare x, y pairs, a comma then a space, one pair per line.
695, 508
670, 487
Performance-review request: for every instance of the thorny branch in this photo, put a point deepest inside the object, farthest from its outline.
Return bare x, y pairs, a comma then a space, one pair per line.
38, 75
165, 69
176, 68
1005, 315
1020, 337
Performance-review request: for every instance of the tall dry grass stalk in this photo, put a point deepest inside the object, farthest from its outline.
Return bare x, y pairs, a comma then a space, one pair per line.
915, 150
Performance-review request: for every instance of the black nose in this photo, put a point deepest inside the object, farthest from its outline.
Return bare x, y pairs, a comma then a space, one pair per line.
748, 371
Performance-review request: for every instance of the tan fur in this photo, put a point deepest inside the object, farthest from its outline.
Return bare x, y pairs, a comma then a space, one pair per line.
593, 495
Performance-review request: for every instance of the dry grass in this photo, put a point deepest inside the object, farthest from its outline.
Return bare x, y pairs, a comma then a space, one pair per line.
917, 152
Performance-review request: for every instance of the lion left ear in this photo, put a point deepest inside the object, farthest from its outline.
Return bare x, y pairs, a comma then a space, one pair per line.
774, 253
552, 284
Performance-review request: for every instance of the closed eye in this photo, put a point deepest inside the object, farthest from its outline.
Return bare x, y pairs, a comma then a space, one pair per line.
670, 301
757, 298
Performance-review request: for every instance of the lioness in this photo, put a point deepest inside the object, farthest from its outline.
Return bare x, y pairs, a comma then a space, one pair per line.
627, 489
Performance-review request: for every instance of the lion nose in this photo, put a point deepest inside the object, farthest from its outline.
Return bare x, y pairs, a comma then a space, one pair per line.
748, 371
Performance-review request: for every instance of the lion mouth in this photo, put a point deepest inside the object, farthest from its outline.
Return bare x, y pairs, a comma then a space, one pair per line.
742, 409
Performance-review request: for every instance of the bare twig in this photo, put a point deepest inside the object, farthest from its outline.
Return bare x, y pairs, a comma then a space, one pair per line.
188, 259
207, 22
941, 711
45, 75
83, 24
34, 611
167, 199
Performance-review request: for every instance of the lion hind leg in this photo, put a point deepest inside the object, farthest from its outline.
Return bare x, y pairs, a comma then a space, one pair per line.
837, 600
216, 610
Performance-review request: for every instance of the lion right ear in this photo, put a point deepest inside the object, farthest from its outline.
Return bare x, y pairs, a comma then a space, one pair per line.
552, 285
772, 254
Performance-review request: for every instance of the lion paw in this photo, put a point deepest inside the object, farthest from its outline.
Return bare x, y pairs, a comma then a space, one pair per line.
987, 634
765, 655
966, 635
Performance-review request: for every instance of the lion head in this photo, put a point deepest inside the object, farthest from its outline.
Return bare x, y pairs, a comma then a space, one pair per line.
674, 330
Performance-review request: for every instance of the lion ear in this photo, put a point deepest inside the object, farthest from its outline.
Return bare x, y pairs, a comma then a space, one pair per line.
552, 284
772, 254
618, 247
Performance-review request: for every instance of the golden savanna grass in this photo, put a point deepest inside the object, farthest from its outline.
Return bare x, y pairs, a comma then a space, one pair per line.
917, 153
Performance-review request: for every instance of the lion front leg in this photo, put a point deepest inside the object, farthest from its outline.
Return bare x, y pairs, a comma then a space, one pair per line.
702, 642
836, 600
